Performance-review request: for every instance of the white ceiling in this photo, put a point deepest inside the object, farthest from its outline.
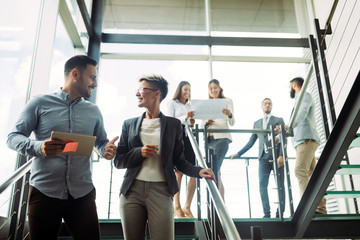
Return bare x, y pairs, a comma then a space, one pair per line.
189, 15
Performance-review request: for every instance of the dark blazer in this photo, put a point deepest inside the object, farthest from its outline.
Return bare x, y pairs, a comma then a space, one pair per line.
129, 152
263, 138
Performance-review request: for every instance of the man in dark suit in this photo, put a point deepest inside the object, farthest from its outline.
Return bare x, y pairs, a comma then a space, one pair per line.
265, 157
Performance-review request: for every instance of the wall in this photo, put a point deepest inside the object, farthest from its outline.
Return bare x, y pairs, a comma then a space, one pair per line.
342, 55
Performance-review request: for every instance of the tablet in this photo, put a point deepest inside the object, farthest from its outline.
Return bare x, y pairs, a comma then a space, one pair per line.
76, 144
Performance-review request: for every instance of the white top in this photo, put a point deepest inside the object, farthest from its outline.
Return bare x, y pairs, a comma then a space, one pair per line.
223, 123
151, 169
178, 110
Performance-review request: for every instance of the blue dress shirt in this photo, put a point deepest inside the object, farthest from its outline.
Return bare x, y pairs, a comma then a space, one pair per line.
59, 175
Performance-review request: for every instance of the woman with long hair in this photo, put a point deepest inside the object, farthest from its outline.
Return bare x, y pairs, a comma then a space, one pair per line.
219, 142
179, 108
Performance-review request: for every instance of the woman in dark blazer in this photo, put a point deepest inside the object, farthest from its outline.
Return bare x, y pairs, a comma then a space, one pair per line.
150, 147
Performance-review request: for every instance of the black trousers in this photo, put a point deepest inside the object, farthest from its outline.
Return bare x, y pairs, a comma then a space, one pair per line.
45, 216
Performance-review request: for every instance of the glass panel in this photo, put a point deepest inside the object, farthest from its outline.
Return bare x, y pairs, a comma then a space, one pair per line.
154, 49
251, 16
258, 51
18, 22
78, 21
247, 84
88, 4
63, 50
120, 89
153, 16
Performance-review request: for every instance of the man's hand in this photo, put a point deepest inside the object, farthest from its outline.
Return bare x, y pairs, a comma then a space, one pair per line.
149, 150
234, 156
207, 173
52, 147
110, 149
280, 161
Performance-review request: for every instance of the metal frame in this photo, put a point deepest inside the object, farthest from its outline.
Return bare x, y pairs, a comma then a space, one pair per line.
85, 17
275, 170
224, 217
69, 24
287, 169
340, 138
203, 40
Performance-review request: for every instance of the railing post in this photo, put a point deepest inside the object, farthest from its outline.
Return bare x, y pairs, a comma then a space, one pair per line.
247, 183
23, 207
198, 188
275, 170
16, 204
287, 170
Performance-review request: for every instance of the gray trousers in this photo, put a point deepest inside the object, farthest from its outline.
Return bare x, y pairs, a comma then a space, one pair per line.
147, 202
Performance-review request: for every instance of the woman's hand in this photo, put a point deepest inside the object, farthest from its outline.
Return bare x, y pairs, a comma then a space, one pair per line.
149, 150
207, 173
209, 122
189, 114
227, 112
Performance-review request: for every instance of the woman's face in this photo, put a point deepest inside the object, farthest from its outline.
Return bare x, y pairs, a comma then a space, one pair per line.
146, 95
214, 90
185, 92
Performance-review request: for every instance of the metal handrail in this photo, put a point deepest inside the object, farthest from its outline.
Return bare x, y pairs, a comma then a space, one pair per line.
16, 175
224, 216
226, 130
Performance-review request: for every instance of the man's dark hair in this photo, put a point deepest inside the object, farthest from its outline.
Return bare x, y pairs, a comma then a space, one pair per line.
265, 100
298, 80
157, 82
80, 62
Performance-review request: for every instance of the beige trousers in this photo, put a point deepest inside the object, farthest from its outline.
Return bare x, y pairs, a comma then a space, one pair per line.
304, 167
151, 203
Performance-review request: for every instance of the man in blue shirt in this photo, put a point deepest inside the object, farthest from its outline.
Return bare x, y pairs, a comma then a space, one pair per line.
305, 139
61, 185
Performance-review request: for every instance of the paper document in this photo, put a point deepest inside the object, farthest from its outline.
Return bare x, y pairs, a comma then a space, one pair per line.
208, 109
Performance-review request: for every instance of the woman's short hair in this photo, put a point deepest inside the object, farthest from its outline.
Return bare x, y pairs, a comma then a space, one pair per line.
157, 82
177, 94
221, 93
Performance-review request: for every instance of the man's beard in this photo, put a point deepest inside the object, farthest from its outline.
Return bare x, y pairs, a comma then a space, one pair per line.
292, 93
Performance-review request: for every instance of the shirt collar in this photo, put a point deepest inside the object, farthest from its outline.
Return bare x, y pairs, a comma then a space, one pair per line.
268, 115
66, 96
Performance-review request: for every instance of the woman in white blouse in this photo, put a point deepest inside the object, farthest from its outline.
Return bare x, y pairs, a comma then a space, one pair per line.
219, 142
179, 108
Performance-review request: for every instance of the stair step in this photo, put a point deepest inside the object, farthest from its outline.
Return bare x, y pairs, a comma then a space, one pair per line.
348, 169
342, 194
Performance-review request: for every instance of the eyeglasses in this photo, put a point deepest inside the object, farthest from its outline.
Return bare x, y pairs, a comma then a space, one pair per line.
140, 90
267, 103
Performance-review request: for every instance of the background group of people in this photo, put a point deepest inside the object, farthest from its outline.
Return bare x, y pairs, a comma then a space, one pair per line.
150, 148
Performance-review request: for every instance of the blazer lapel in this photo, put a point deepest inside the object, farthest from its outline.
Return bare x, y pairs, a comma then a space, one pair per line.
138, 127
268, 123
163, 122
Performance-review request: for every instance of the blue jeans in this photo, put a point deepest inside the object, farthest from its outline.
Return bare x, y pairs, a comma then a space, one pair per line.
265, 167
